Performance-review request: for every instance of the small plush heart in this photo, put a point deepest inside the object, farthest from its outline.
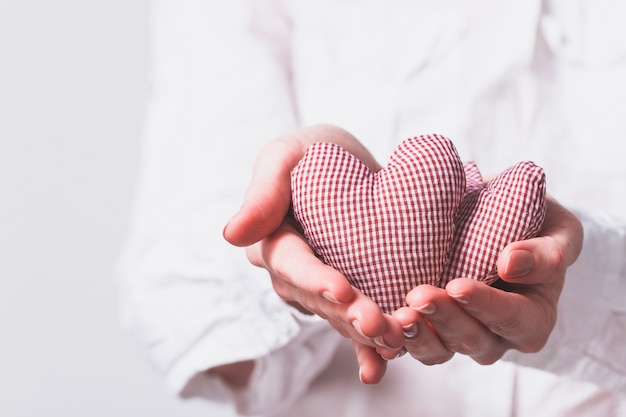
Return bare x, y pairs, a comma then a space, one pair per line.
509, 208
422, 219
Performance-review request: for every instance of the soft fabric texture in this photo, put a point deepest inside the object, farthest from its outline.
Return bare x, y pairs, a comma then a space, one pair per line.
421, 220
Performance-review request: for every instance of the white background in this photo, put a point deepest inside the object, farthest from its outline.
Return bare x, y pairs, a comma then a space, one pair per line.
73, 88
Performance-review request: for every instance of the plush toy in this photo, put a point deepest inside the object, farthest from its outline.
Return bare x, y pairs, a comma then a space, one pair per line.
426, 218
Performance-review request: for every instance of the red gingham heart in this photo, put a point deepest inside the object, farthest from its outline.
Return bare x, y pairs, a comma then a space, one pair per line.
509, 208
392, 230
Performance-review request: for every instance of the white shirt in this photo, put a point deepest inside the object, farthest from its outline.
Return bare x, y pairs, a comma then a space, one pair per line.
505, 81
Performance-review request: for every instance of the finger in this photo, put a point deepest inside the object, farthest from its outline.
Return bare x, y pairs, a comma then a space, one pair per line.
536, 260
421, 341
523, 321
360, 320
300, 276
539, 260
458, 331
289, 258
393, 339
565, 228
388, 340
426, 346
366, 317
407, 318
371, 366
350, 330
390, 354
268, 197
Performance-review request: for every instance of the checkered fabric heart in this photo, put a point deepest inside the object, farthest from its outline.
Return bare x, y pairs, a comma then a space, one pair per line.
423, 219
509, 208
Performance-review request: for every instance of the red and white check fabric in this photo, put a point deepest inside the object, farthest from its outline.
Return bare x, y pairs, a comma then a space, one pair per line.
509, 208
392, 230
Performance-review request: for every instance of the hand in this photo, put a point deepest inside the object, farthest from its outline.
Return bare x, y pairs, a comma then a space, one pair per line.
519, 312
268, 197
274, 242
301, 279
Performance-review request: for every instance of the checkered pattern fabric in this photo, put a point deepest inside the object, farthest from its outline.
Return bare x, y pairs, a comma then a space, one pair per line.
392, 230
509, 208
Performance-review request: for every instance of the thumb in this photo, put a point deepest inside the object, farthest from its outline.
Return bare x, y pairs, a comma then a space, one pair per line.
530, 261
267, 200
536, 260
269, 195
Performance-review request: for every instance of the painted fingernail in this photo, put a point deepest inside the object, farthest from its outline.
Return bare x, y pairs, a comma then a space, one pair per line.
519, 263
410, 331
427, 308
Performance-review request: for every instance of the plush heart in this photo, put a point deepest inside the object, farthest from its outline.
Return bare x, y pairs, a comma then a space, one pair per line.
424, 219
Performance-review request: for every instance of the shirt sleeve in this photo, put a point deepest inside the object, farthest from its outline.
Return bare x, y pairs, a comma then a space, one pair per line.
590, 333
221, 88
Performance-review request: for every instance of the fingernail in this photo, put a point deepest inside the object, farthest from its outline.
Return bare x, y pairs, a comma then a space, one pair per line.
380, 341
459, 298
395, 356
410, 331
357, 326
519, 263
330, 297
361, 374
427, 308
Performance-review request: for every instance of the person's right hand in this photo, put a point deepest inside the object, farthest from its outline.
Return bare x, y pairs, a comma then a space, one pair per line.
274, 242
304, 281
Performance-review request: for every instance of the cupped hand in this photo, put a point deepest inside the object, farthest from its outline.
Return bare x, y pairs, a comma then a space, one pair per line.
273, 241
268, 197
518, 312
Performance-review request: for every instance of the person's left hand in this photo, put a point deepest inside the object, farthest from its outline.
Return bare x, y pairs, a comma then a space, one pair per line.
518, 312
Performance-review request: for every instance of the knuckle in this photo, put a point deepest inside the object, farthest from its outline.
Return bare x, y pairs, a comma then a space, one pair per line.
508, 327
283, 266
534, 345
283, 291
280, 268
468, 346
492, 355
555, 258
539, 337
